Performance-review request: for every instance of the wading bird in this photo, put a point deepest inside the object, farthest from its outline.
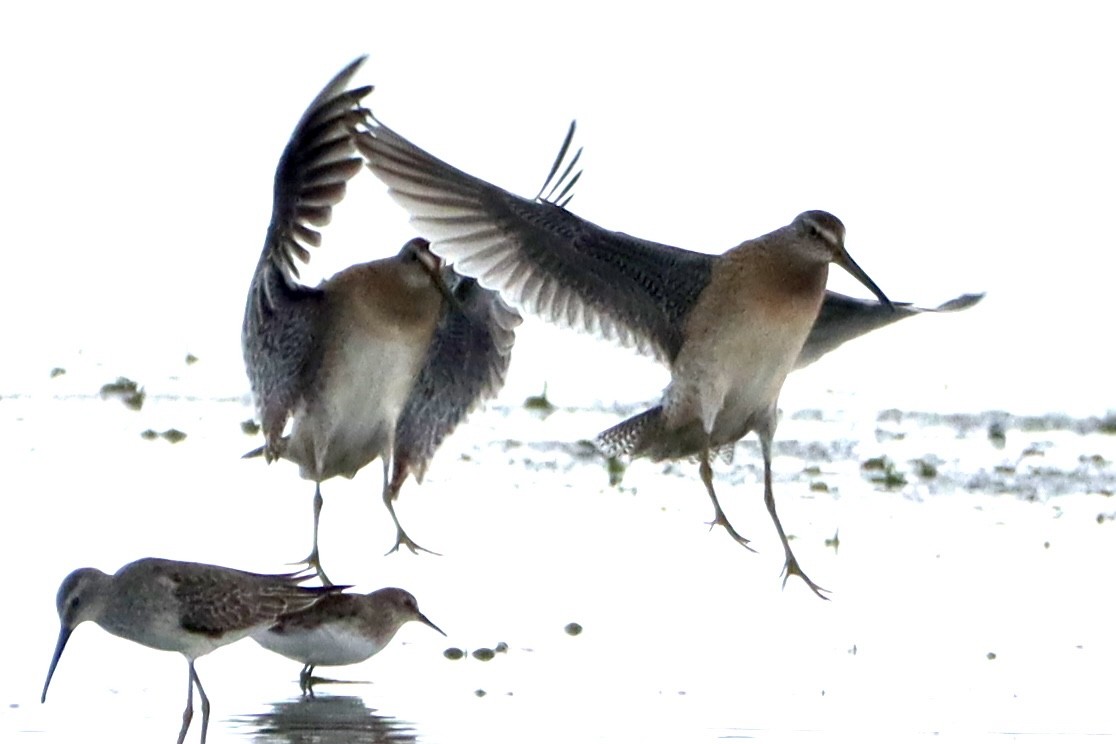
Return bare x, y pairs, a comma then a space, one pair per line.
384, 359
341, 629
729, 327
191, 608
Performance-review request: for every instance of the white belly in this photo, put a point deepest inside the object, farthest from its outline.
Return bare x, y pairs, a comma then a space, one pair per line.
327, 645
353, 419
730, 381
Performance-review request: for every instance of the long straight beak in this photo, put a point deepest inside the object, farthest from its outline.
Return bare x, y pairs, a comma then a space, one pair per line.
426, 621
63, 636
844, 260
433, 266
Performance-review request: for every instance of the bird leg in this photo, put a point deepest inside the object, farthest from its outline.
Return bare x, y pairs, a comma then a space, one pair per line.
312, 560
204, 701
306, 680
791, 566
719, 517
188, 714
391, 492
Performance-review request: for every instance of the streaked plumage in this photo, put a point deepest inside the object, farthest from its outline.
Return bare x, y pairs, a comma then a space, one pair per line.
341, 629
191, 608
729, 327
356, 365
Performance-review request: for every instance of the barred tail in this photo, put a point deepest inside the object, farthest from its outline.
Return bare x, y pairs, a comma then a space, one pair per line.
632, 437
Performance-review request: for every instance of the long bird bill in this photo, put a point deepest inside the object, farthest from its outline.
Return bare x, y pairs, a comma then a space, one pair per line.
426, 621
844, 260
433, 266
63, 637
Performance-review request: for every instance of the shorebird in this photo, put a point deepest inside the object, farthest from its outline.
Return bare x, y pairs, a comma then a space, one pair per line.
341, 629
729, 327
382, 360
191, 608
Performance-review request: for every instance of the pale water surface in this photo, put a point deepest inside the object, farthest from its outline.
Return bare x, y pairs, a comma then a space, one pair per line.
965, 147
975, 603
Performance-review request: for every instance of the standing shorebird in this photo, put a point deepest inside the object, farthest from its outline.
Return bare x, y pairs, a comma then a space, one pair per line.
341, 629
191, 608
358, 364
730, 327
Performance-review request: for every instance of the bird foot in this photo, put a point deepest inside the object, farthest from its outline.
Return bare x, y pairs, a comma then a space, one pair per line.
313, 563
307, 686
306, 682
401, 538
791, 567
722, 520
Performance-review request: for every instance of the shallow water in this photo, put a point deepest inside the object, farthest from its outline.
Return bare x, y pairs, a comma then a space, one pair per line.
974, 602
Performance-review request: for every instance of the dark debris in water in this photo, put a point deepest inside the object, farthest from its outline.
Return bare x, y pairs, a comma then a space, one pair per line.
125, 390
540, 403
997, 434
57, 372
925, 469
250, 427
616, 468
573, 629
174, 436
882, 471
453, 653
885, 435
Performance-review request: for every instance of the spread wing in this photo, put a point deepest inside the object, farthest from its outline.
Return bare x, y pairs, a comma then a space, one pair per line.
465, 365
310, 179
844, 318
280, 314
538, 255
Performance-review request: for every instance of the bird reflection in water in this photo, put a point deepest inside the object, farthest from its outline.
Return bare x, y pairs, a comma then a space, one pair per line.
329, 719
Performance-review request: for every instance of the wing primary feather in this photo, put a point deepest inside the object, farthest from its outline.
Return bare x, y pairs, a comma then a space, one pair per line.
558, 160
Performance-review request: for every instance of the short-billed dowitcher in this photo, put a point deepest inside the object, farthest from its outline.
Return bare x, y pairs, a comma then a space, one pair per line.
384, 359
730, 327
